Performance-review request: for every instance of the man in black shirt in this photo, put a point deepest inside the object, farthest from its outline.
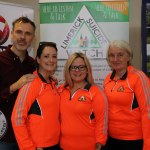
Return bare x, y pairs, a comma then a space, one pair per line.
16, 68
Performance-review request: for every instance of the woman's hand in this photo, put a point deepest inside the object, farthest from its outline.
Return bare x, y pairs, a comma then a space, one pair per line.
21, 82
98, 146
39, 148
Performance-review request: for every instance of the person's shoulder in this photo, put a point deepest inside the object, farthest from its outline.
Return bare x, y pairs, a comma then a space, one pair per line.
96, 88
135, 72
35, 84
62, 87
107, 78
4, 53
5, 57
135, 75
30, 62
30, 59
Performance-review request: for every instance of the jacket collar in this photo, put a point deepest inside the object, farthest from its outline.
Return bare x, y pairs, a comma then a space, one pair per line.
87, 86
122, 78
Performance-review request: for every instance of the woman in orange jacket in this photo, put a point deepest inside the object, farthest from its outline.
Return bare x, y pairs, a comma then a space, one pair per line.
128, 93
83, 107
35, 116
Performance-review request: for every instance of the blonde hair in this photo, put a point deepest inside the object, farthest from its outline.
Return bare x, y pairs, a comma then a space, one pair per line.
68, 80
123, 45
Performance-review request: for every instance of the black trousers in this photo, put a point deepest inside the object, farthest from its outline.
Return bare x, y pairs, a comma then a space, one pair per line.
55, 147
8, 146
116, 144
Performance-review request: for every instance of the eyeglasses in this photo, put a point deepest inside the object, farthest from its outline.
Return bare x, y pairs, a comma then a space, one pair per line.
80, 68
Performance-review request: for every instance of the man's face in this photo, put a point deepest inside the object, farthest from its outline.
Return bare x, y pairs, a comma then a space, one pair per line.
22, 36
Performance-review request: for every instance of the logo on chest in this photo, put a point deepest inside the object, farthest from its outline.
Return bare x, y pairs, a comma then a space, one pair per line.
120, 89
82, 99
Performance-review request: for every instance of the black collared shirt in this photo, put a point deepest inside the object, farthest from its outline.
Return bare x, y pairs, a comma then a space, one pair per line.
11, 69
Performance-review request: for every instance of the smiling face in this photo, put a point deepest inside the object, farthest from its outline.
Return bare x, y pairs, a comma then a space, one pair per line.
48, 60
118, 58
22, 36
78, 70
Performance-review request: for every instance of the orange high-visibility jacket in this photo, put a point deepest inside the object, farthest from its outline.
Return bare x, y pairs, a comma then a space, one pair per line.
35, 116
83, 118
129, 106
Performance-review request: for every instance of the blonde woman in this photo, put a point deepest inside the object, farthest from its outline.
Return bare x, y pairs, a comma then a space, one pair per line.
83, 107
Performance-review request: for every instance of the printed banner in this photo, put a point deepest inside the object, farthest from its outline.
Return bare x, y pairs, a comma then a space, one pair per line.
86, 27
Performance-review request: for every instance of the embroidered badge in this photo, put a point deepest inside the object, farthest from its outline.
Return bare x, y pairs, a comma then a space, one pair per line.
120, 89
82, 98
